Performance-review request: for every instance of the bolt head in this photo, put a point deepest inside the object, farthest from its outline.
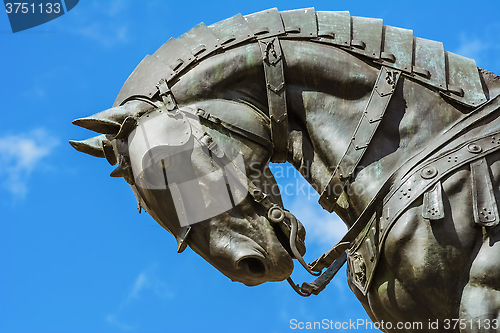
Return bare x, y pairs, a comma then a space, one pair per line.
473, 148
429, 172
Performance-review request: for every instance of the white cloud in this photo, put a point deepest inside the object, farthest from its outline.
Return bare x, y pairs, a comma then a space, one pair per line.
105, 33
321, 226
482, 46
114, 322
20, 154
147, 281
471, 47
139, 284
104, 22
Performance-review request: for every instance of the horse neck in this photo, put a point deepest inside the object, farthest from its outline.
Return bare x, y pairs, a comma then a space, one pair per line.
328, 89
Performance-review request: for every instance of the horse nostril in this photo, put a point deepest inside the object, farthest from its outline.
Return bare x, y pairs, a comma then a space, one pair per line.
252, 266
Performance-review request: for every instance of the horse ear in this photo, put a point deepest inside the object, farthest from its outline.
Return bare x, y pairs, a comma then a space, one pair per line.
109, 121
99, 125
92, 146
106, 122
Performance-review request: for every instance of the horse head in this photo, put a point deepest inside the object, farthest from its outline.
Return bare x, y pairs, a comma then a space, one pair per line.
190, 169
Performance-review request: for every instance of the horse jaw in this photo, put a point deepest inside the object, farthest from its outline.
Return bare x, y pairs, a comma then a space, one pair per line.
243, 246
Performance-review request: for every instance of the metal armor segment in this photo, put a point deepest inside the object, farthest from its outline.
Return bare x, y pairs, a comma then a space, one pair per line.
464, 83
429, 63
200, 41
433, 206
175, 55
232, 31
158, 129
363, 254
484, 203
300, 23
334, 28
398, 43
143, 80
427, 176
366, 36
266, 23
406, 193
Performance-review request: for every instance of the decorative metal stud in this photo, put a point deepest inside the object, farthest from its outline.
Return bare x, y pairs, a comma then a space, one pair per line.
473, 148
429, 172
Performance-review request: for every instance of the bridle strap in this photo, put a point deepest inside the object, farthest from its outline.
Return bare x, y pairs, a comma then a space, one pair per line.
272, 57
216, 121
367, 126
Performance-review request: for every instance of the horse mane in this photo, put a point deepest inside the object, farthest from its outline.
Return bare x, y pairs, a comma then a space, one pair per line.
454, 77
425, 61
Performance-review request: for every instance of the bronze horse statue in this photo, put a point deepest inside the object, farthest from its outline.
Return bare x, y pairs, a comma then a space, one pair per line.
400, 137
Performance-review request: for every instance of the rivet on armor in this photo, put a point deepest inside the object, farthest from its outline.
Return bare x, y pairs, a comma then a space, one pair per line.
429, 172
473, 148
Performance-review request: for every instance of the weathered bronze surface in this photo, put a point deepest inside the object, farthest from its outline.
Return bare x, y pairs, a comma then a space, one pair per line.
401, 137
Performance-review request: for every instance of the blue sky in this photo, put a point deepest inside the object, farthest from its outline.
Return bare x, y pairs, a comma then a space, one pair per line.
75, 256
